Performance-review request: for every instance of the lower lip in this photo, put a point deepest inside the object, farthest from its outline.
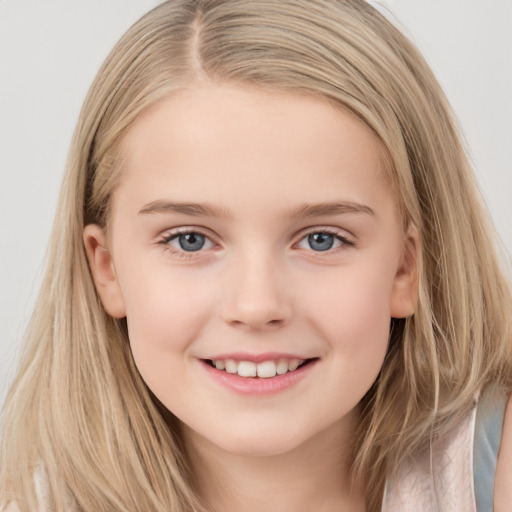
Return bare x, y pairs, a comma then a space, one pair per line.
256, 385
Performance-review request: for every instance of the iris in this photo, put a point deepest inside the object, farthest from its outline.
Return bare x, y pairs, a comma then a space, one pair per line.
191, 241
321, 241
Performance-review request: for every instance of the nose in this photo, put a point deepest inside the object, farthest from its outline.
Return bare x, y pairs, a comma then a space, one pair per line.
257, 297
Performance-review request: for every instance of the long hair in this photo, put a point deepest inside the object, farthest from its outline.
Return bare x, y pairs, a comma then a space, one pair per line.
78, 406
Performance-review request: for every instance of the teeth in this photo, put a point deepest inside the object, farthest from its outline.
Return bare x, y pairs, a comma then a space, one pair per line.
231, 366
264, 370
246, 369
293, 365
282, 367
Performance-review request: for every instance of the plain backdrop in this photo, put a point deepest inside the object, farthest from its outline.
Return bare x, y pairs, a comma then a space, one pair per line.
50, 51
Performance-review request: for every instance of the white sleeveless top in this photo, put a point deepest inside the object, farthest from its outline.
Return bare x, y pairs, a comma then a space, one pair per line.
457, 474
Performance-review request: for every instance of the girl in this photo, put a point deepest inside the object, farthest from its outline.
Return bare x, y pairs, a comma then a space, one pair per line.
271, 283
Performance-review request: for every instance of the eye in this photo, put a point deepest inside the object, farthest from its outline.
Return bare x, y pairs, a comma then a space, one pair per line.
190, 241
320, 241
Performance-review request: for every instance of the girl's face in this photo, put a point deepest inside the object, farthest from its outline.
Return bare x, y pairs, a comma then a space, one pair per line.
253, 232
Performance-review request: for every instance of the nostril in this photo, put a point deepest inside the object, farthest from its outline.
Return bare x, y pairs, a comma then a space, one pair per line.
257, 322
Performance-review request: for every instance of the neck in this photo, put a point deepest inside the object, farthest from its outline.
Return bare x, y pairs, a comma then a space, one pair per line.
312, 476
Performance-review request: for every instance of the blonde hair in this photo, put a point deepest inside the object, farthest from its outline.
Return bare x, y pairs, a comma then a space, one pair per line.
78, 405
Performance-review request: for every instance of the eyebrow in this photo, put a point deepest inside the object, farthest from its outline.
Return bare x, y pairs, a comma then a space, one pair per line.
194, 209
209, 210
335, 208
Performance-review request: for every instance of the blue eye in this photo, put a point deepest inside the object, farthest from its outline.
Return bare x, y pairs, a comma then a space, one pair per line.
322, 241
189, 242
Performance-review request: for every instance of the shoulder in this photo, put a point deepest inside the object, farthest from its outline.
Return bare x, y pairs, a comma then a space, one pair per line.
439, 479
503, 481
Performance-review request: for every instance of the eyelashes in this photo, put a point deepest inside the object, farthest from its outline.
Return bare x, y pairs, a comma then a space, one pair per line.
188, 242
185, 243
324, 240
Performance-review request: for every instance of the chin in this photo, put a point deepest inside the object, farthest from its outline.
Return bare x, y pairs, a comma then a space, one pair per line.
262, 447
263, 439
246, 442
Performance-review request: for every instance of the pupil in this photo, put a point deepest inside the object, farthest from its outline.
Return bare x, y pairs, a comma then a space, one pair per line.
191, 241
321, 241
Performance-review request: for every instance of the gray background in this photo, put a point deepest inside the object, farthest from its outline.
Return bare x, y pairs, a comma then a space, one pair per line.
50, 51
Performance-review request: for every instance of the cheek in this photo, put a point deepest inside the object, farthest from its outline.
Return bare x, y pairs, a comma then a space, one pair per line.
353, 315
356, 326
165, 314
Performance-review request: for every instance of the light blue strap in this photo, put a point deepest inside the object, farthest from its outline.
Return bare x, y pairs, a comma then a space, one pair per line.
488, 425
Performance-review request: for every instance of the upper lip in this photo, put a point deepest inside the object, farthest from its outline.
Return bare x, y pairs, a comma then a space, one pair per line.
256, 358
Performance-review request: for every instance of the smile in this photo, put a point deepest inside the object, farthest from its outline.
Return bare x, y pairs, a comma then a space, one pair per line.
262, 375
263, 370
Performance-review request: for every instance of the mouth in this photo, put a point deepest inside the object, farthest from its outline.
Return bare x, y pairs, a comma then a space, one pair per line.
262, 370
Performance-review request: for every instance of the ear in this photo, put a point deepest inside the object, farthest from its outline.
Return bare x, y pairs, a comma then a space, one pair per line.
404, 294
103, 272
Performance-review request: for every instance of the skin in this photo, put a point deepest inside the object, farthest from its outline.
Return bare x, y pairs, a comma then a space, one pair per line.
257, 285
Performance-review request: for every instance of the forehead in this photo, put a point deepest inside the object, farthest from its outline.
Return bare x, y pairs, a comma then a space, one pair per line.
235, 143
